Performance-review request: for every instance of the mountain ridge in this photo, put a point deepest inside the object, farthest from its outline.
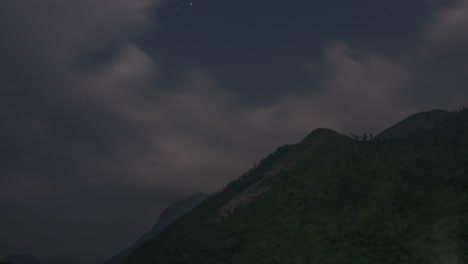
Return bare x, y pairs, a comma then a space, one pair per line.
414, 123
397, 199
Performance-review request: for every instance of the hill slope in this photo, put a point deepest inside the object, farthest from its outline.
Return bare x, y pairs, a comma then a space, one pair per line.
415, 124
332, 199
168, 216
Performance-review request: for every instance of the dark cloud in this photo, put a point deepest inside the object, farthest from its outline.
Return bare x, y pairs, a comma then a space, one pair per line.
92, 151
365, 91
49, 131
440, 66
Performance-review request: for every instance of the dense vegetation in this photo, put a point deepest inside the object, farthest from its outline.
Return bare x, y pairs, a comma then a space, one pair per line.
400, 198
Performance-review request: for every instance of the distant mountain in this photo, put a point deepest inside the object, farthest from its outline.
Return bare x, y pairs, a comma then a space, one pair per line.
21, 259
399, 198
172, 213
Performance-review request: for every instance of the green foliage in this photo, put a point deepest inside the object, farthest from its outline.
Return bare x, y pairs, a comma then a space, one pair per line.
401, 199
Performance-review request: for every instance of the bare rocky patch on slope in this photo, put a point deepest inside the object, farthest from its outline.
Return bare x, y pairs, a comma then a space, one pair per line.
249, 194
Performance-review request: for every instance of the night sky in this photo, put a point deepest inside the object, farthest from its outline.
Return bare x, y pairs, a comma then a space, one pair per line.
111, 110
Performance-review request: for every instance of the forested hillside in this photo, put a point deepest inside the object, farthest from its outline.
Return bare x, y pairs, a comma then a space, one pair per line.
400, 198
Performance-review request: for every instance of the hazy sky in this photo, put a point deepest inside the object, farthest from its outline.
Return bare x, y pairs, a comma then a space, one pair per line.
111, 110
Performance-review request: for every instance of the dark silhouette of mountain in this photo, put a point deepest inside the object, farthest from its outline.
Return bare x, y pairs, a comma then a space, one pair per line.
415, 124
21, 259
399, 198
168, 216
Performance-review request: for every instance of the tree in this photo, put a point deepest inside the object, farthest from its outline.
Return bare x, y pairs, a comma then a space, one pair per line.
364, 137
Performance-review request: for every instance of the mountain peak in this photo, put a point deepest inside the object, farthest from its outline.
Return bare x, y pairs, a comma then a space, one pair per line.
321, 132
414, 124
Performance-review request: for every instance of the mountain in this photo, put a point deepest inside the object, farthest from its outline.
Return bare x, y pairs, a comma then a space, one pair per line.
168, 216
21, 259
415, 124
399, 198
